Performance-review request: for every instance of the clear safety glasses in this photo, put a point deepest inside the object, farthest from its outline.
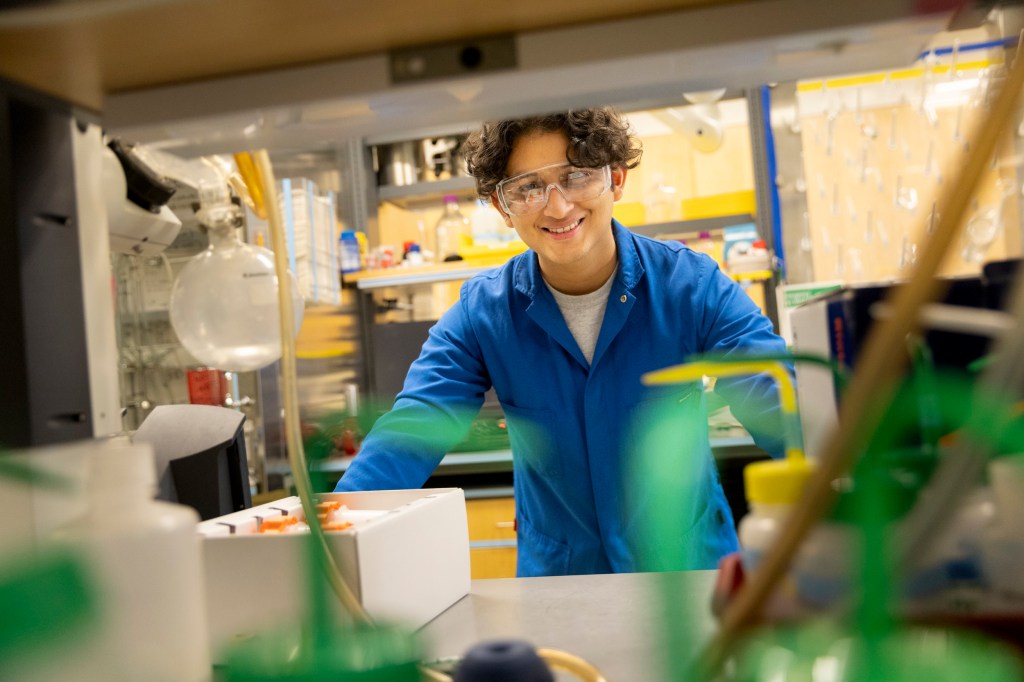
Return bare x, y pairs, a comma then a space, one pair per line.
528, 192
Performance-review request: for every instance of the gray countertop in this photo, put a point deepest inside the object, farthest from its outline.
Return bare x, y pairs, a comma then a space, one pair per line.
616, 622
453, 463
723, 447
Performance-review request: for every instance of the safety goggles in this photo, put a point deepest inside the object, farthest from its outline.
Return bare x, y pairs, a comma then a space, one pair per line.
528, 192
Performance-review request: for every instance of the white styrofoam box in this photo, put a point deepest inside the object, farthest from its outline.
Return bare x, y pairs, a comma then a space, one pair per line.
406, 558
237, 524
289, 506
218, 530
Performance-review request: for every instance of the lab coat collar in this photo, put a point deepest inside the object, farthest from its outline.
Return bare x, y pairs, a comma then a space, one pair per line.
529, 281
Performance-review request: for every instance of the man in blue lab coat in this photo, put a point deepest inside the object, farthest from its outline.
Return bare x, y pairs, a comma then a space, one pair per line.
563, 333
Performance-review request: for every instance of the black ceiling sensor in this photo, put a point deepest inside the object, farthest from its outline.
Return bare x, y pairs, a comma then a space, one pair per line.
426, 62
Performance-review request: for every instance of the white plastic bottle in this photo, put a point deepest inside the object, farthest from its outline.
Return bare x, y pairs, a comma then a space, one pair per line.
1002, 541
453, 230
825, 566
954, 556
145, 559
772, 489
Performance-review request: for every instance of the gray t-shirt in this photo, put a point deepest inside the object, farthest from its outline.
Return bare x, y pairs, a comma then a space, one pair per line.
584, 314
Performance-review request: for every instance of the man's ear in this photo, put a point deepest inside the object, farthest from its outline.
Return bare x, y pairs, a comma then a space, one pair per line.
618, 182
497, 205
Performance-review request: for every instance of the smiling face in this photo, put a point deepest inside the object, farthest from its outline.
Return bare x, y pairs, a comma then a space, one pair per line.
573, 241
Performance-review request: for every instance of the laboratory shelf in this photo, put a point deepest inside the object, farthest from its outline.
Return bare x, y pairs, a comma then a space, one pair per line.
691, 229
428, 274
420, 194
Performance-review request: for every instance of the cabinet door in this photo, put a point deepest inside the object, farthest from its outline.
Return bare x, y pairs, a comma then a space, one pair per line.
492, 537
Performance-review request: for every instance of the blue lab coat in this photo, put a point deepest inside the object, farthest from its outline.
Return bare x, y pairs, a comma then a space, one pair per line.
601, 485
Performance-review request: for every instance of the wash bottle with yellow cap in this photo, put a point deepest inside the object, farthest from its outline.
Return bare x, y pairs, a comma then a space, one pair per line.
772, 490
772, 487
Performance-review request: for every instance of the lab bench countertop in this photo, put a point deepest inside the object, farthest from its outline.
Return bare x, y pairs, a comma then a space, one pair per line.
735, 444
616, 622
453, 463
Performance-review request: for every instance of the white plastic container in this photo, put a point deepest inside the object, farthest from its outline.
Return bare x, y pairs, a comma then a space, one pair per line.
758, 530
825, 565
954, 556
753, 258
1002, 542
146, 562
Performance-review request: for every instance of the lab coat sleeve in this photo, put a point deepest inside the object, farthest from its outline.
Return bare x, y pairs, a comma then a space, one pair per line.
734, 326
442, 394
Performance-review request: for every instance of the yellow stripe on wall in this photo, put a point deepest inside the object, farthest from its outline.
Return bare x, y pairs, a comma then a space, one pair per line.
901, 74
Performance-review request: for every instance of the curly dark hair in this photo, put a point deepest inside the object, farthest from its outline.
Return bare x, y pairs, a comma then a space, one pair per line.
597, 137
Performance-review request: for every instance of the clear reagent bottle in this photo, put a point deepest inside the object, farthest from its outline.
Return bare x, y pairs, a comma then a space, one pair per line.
453, 231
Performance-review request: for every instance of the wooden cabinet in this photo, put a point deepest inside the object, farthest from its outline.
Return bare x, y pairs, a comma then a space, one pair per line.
492, 537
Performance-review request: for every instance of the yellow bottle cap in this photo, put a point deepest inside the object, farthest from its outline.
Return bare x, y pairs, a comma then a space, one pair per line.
777, 481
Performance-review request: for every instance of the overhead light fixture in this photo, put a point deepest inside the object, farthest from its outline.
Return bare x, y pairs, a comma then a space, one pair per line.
701, 121
701, 125
466, 91
704, 96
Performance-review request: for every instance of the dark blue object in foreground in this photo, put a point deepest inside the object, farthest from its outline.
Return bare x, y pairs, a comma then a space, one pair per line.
502, 660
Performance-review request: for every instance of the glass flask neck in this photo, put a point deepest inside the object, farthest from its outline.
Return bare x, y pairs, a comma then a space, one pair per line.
222, 236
